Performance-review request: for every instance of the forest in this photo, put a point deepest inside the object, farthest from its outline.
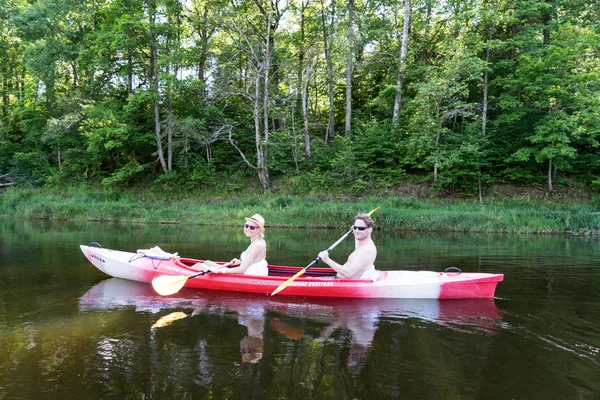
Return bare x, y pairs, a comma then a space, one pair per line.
458, 95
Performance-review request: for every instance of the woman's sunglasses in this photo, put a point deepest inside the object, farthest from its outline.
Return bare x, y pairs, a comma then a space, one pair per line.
252, 227
359, 228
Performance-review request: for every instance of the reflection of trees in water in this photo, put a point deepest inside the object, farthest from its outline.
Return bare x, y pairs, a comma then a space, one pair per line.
325, 361
247, 346
116, 353
280, 354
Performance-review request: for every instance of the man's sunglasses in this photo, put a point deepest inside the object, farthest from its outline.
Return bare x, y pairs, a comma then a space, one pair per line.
252, 227
359, 228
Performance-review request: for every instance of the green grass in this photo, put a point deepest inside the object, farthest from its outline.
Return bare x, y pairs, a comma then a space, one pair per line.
431, 214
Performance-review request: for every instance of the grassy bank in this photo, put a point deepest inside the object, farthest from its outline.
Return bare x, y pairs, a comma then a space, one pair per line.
409, 213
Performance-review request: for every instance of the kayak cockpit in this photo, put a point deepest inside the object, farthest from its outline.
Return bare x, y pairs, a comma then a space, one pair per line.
274, 270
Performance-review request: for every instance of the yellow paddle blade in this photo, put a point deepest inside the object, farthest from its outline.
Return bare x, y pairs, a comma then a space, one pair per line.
287, 283
168, 319
373, 210
168, 284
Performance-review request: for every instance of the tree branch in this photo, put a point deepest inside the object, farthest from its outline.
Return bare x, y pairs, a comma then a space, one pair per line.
233, 143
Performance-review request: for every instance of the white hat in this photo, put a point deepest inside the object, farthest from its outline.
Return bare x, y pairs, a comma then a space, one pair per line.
258, 220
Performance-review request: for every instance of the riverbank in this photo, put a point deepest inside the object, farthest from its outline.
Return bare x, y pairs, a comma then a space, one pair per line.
507, 215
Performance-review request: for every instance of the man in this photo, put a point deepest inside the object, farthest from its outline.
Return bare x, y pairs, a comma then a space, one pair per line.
360, 262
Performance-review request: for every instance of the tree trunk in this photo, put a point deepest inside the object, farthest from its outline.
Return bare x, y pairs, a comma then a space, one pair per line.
264, 165
303, 6
204, 37
256, 115
547, 14
170, 117
169, 128
400, 80
22, 84
129, 75
550, 188
257, 130
277, 122
479, 187
75, 74
348, 125
437, 142
486, 84
328, 47
5, 97
305, 100
154, 62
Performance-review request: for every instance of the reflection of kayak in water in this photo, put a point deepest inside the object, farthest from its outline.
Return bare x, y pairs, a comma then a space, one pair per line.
317, 282
361, 315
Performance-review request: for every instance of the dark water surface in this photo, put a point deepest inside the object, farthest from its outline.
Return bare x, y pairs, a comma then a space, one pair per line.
69, 332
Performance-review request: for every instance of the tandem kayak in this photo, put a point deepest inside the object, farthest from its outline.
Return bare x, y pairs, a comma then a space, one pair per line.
316, 282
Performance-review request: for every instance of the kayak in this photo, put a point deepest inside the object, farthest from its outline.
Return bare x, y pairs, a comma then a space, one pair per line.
316, 282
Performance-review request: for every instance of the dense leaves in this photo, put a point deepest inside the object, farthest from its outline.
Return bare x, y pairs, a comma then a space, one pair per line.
197, 93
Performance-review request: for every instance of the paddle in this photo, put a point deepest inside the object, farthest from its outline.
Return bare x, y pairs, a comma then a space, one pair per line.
315, 261
171, 284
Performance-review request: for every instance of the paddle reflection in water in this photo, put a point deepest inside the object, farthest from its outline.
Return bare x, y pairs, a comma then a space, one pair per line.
168, 319
285, 315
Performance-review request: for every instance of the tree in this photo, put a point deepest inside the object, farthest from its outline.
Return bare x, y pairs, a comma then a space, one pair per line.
328, 34
349, 59
256, 30
403, 49
557, 78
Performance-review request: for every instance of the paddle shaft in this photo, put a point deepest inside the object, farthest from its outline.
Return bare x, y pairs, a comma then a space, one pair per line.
198, 274
170, 284
316, 260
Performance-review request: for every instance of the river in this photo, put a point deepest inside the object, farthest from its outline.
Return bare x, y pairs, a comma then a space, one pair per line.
68, 331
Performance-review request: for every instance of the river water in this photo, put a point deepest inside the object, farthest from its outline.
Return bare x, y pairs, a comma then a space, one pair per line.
67, 331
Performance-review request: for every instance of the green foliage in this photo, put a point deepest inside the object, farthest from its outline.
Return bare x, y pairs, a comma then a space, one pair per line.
376, 148
7, 151
286, 152
202, 173
80, 80
126, 174
466, 163
31, 169
338, 165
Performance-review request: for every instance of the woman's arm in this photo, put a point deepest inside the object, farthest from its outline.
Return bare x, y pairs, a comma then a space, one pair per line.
207, 264
252, 253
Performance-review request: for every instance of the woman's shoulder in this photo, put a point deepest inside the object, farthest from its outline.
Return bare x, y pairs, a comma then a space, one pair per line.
258, 244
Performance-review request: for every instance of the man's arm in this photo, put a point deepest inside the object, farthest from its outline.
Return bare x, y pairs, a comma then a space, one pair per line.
356, 264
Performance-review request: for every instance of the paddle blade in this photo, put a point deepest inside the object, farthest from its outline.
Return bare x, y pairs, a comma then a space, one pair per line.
287, 283
373, 210
168, 284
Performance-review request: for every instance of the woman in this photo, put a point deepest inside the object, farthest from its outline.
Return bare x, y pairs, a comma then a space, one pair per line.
252, 261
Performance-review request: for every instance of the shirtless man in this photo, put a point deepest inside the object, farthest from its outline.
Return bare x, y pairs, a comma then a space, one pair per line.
360, 262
